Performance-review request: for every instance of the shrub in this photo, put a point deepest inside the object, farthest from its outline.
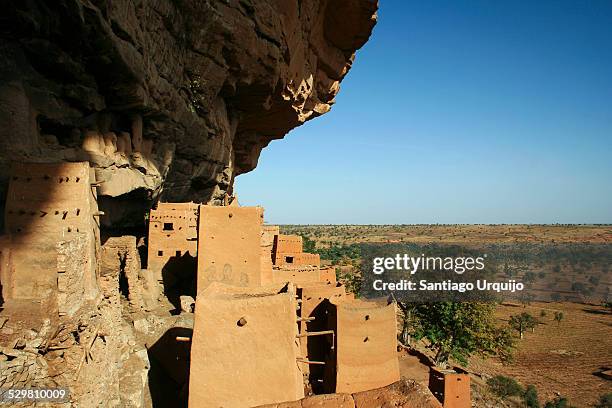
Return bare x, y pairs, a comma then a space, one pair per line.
504, 386
558, 317
352, 281
531, 397
559, 402
605, 401
308, 245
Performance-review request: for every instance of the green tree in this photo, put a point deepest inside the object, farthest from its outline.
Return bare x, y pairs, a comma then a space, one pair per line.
522, 322
530, 277
407, 310
531, 397
558, 317
308, 245
581, 288
461, 329
351, 280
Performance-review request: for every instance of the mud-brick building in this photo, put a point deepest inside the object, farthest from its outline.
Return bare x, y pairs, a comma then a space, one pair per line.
173, 237
303, 275
451, 387
268, 313
287, 251
52, 237
208, 244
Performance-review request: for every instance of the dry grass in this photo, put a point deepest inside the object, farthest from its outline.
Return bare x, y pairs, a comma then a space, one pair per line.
453, 234
560, 358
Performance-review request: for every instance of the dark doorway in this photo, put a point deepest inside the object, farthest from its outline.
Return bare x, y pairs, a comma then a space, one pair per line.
169, 373
179, 278
320, 348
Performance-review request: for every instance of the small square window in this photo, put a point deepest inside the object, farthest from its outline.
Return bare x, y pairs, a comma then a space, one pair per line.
160, 253
168, 226
289, 259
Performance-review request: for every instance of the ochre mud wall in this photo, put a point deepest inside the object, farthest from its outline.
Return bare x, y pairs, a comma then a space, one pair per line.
48, 206
229, 246
297, 276
268, 234
313, 313
451, 388
328, 274
365, 351
244, 348
287, 251
173, 236
288, 243
297, 259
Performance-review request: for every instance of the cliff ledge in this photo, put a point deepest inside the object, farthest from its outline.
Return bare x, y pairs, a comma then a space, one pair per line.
167, 99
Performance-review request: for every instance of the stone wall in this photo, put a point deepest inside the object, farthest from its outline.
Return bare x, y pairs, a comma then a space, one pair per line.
71, 262
120, 257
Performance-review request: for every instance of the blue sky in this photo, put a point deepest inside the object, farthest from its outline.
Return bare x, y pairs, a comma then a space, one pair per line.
457, 112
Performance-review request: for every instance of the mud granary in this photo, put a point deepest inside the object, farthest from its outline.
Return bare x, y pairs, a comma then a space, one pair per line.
59, 228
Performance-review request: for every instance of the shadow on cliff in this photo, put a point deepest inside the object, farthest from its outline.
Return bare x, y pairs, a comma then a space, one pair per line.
169, 372
179, 278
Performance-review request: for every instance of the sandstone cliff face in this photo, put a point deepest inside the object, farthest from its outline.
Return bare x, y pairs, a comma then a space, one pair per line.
167, 99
